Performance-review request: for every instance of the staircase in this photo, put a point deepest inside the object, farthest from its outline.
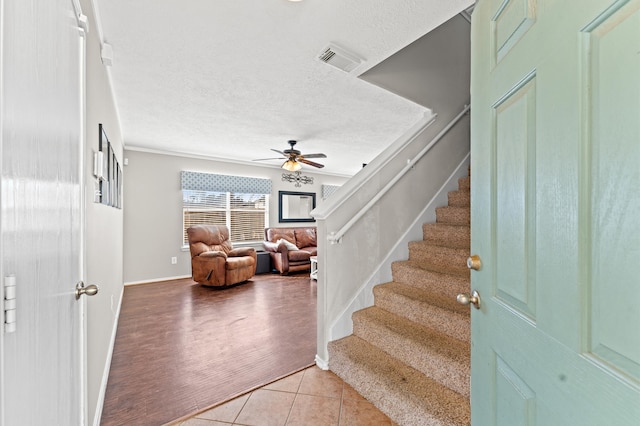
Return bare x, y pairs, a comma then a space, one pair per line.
409, 354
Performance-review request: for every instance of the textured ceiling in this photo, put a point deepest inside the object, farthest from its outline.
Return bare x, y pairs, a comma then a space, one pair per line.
230, 79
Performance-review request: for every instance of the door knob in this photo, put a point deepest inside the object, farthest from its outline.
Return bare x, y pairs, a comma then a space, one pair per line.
90, 290
473, 262
465, 299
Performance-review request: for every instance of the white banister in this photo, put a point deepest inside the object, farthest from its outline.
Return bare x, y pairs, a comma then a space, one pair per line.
336, 237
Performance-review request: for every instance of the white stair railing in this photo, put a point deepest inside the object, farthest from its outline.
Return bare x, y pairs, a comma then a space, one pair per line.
336, 237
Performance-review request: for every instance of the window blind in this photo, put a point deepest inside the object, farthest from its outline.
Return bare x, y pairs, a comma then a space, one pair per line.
222, 200
327, 190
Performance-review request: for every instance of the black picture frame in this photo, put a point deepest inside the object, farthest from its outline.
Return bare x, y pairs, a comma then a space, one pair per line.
110, 185
103, 147
296, 206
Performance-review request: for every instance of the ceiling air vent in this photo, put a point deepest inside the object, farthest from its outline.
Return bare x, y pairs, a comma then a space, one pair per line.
339, 58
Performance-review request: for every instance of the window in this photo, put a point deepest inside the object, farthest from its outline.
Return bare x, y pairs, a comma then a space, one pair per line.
241, 203
246, 215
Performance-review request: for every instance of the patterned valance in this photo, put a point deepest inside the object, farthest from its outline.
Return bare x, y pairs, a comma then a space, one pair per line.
327, 190
196, 181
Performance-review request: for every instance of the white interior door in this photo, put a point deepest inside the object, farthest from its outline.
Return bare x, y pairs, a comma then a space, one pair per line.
556, 212
41, 202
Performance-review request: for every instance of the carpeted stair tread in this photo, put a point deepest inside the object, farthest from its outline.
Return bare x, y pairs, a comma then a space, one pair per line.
459, 198
407, 396
424, 308
440, 259
443, 234
453, 215
443, 358
414, 274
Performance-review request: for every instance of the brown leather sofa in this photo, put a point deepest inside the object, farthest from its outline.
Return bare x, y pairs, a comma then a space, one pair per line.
290, 259
214, 261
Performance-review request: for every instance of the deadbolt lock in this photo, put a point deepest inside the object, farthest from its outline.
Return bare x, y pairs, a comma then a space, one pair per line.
473, 262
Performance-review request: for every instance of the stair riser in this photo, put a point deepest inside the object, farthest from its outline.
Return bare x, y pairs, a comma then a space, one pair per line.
443, 370
459, 198
440, 284
445, 321
447, 236
443, 301
440, 259
453, 215
464, 184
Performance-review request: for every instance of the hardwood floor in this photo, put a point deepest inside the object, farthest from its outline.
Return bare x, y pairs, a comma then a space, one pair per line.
182, 348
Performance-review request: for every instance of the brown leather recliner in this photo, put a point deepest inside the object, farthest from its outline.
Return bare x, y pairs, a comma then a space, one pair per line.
289, 259
214, 261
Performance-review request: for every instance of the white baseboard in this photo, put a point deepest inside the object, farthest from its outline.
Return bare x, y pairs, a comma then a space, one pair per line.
107, 365
155, 280
321, 363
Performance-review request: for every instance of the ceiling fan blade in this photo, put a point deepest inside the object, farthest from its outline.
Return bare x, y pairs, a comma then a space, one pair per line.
264, 159
279, 152
311, 163
314, 155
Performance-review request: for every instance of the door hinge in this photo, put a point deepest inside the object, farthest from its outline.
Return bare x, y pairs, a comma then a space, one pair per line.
9, 304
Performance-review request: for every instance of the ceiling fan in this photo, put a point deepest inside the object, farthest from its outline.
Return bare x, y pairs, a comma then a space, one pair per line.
294, 158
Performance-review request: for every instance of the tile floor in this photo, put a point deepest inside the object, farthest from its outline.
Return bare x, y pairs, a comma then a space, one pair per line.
311, 397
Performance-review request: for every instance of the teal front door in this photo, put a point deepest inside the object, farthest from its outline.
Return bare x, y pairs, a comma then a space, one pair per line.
555, 141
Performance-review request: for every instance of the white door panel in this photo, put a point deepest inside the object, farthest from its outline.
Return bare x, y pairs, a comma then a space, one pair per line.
41, 204
555, 174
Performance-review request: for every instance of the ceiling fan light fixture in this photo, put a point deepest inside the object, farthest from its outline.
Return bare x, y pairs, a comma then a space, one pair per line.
292, 166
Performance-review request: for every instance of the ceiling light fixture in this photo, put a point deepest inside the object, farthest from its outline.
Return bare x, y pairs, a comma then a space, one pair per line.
292, 166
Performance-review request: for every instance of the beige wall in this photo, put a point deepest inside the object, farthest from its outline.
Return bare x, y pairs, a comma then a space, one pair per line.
103, 226
153, 208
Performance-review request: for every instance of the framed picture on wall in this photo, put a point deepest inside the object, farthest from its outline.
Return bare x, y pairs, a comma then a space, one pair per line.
110, 186
112, 179
119, 186
104, 148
